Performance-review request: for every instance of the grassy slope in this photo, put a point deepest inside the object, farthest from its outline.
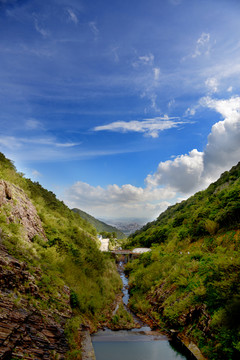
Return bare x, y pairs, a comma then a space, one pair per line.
99, 225
70, 257
190, 281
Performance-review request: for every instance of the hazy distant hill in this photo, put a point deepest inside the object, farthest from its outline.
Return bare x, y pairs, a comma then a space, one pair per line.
128, 229
99, 225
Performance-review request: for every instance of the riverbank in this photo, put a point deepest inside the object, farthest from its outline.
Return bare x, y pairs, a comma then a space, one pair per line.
153, 343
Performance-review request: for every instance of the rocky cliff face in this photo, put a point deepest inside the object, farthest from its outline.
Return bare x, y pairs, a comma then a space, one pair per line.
21, 210
27, 330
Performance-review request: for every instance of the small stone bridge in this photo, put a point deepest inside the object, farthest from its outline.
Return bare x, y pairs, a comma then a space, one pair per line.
130, 254
127, 254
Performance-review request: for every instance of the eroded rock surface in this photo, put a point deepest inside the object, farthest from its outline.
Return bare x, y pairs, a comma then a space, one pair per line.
25, 331
21, 210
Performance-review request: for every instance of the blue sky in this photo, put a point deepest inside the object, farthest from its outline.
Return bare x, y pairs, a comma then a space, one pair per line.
120, 107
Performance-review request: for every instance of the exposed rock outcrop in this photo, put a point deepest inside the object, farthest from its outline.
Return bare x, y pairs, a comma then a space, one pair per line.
25, 331
21, 210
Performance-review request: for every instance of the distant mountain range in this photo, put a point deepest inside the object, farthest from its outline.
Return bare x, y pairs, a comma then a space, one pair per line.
99, 225
128, 229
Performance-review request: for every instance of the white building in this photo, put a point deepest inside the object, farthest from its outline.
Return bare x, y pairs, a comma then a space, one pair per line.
104, 244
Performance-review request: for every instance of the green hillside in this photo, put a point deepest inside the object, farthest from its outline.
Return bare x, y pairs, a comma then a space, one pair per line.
70, 279
99, 225
190, 282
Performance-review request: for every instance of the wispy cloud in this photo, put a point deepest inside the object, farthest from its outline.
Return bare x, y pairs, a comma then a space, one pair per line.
94, 29
212, 85
146, 67
150, 127
156, 72
33, 124
202, 46
40, 29
12, 141
114, 52
72, 16
144, 60
36, 174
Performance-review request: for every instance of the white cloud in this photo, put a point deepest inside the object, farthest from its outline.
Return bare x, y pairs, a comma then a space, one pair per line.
190, 111
181, 174
174, 179
33, 124
36, 174
191, 172
40, 29
153, 98
223, 148
171, 103
230, 89
72, 16
144, 60
212, 85
202, 46
121, 201
94, 29
149, 74
114, 53
156, 73
11, 141
150, 127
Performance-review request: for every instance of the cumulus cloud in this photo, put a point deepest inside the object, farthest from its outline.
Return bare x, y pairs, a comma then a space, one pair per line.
223, 147
150, 127
125, 201
181, 174
174, 179
196, 170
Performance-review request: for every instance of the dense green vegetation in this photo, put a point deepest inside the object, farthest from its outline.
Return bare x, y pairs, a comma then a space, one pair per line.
70, 256
191, 280
100, 225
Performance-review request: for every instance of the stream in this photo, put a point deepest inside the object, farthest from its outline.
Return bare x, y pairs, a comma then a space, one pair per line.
135, 344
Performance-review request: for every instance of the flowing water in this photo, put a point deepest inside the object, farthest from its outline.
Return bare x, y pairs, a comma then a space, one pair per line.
135, 344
